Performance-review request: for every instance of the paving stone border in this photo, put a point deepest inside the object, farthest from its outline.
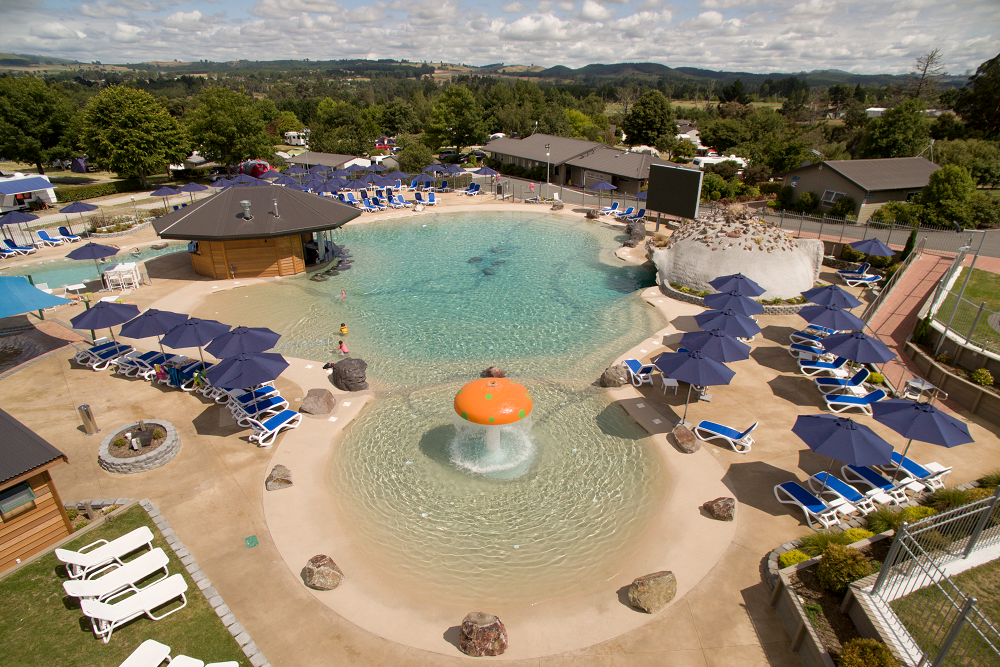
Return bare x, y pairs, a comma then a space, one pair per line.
786, 309
236, 629
111, 235
769, 573
154, 459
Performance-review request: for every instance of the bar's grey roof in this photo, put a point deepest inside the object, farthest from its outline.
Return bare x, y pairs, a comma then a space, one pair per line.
561, 149
617, 162
896, 173
220, 217
311, 158
21, 449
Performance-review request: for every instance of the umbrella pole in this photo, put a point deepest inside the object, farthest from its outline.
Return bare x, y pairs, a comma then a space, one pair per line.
112, 331
161, 345
686, 401
895, 473
202, 356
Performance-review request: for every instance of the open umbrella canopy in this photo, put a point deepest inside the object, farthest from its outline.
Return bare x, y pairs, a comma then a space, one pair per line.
18, 296
922, 422
355, 168
728, 321
222, 183
370, 178
431, 168
242, 339
319, 168
858, 346
831, 295
873, 247
716, 344
245, 179
79, 207
397, 174
104, 315
486, 171
695, 368
295, 170
153, 322
296, 186
93, 251
165, 191
735, 301
270, 173
246, 369
375, 166
642, 195
16, 218
843, 439
285, 180
452, 168
424, 178
194, 332
602, 186
832, 318
339, 173
737, 282
329, 186
192, 187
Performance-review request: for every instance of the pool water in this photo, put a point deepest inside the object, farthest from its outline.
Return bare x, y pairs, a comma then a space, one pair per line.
430, 302
59, 272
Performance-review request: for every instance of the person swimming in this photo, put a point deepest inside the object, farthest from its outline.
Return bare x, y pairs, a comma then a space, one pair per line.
343, 329
343, 348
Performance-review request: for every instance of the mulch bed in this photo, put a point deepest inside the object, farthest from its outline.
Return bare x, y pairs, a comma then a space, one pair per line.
957, 370
146, 442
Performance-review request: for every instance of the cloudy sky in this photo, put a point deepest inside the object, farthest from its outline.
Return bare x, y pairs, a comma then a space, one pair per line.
864, 36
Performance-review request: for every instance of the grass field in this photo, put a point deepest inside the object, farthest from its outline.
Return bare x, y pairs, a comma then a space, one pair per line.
40, 626
984, 287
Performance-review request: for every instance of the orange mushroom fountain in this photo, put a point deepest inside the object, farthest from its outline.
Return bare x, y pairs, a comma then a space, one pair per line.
493, 403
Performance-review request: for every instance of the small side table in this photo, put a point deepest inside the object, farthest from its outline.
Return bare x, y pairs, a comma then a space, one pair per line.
668, 382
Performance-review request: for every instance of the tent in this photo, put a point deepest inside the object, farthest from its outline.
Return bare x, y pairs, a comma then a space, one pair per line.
79, 165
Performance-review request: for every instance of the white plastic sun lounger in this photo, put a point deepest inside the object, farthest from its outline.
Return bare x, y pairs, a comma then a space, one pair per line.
108, 615
823, 483
82, 564
264, 433
878, 483
740, 442
815, 509
149, 654
186, 661
87, 354
640, 373
259, 409
121, 576
841, 402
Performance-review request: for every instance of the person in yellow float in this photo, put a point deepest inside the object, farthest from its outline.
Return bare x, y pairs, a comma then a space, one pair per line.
343, 329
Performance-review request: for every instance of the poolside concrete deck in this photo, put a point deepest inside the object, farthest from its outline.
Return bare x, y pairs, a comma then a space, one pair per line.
212, 493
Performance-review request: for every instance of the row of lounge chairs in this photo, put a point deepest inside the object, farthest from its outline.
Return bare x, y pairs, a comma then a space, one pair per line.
11, 249
151, 653
841, 390
628, 214
859, 276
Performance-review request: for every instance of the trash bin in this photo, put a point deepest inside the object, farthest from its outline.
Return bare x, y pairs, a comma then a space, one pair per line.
87, 417
499, 191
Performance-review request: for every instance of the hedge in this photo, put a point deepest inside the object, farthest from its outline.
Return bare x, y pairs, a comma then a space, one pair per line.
97, 190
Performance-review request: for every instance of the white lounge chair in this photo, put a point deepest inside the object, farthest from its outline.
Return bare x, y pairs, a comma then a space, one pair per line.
45, 239
149, 654
877, 484
823, 483
741, 442
609, 210
261, 408
264, 433
108, 615
931, 475
841, 385
85, 354
67, 235
186, 661
80, 564
119, 577
815, 509
809, 352
640, 373
842, 402
834, 368
860, 271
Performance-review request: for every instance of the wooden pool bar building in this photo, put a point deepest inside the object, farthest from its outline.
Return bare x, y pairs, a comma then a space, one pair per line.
256, 231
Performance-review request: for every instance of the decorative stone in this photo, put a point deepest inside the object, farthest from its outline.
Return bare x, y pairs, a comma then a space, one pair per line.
318, 402
592, 214
482, 634
614, 376
651, 592
685, 439
280, 478
322, 573
473, 260
488, 272
493, 372
723, 509
558, 206
349, 374
636, 230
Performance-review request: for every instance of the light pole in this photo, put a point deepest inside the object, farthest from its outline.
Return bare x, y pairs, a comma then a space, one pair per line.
135, 209
547, 169
965, 284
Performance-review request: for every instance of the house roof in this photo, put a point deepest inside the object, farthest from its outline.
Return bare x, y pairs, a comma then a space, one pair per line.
617, 162
16, 186
22, 450
220, 217
312, 158
875, 174
561, 149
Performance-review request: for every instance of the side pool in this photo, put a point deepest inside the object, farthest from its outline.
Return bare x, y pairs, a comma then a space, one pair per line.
58, 272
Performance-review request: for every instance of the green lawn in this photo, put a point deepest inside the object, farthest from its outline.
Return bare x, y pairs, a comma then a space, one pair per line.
41, 626
983, 287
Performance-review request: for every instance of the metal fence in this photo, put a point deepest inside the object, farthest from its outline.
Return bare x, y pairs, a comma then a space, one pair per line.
935, 621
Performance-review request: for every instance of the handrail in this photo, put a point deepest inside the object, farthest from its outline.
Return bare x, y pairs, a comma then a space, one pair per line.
874, 306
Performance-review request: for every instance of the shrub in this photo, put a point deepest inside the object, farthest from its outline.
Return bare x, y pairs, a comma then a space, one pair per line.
844, 208
849, 254
889, 518
807, 202
921, 330
947, 499
813, 611
978, 493
72, 513
934, 540
857, 534
913, 514
991, 479
98, 190
110, 509
840, 566
816, 543
120, 441
860, 652
943, 358
876, 378
770, 188
982, 377
159, 433
790, 558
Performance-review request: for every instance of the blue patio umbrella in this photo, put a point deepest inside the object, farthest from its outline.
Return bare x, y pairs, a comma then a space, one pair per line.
16, 218
728, 321
385, 182
164, 192
424, 178
369, 178
922, 422
314, 183
246, 369
832, 295
104, 315
642, 195
191, 188
695, 368
743, 305
245, 179
601, 187
328, 186
874, 247
452, 168
433, 168
242, 339
739, 283
317, 168
222, 183
716, 344
18, 296
397, 174
194, 332
340, 173
153, 322
296, 186
375, 166
486, 171
80, 207
842, 439
270, 173
832, 318
858, 346
94, 251
354, 168
285, 180
295, 170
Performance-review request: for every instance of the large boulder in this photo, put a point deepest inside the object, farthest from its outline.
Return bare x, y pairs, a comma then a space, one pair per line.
636, 230
349, 374
650, 592
318, 402
493, 372
280, 478
482, 634
685, 439
322, 573
723, 509
614, 376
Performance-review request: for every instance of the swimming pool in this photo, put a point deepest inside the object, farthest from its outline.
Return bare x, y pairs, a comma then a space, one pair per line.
431, 301
59, 272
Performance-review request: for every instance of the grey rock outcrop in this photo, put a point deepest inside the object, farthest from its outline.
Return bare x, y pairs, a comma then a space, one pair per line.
280, 478
349, 375
482, 634
322, 573
320, 402
723, 509
685, 439
636, 230
651, 592
614, 376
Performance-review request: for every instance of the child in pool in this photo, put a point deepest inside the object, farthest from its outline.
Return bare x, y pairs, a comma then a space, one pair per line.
343, 348
343, 329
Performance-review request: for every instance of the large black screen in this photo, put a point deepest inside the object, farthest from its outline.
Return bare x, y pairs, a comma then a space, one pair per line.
674, 190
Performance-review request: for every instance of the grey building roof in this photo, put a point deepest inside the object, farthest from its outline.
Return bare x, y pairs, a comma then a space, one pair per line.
875, 174
220, 217
311, 158
561, 149
22, 450
618, 162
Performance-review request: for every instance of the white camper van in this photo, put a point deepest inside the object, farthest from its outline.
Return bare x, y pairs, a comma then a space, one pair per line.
296, 138
702, 162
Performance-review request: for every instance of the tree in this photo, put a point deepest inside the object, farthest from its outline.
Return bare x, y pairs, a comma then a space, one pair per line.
132, 133
926, 75
627, 95
651, 116
725, 133
228, 127
727, 169
756, 174
902, 131
947, 195
457, 120
981, 158
978, 102
795, 103
414, 156
734, 93
34, 118
397, 118
673, 148
947, 126
285, 122
840, 96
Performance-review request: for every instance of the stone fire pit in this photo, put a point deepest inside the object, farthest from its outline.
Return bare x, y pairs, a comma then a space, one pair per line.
152, 455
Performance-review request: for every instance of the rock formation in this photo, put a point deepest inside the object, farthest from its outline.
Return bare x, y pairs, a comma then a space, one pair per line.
493, 372
614, 376
280, 478
650, 592
482, 634
685, 439
723, 509
318, 402
636, 230
322, 573
349, 375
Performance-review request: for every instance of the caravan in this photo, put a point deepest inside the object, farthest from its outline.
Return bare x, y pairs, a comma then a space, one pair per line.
297, 138
702, 162
18, 192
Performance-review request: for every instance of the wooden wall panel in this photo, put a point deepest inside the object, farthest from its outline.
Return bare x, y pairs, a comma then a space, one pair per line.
36, 529
282, 256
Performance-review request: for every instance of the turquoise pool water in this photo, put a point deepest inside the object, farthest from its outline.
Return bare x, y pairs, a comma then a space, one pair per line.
59, 272
548, 303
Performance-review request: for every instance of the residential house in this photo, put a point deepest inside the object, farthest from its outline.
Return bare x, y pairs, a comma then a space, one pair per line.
531, 152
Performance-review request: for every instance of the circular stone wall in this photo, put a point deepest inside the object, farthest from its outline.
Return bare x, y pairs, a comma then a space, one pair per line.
734, 241
154, 459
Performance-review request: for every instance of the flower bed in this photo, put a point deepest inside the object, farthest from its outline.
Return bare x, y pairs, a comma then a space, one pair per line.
156, 452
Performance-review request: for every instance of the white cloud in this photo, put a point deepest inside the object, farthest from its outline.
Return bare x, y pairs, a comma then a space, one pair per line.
54, 30
433, 11
706, 20
728, 4
193, 20
544, 7
595, 11
278, 9
126, 33
537, 29
813, 8
102, 9
367, 14
566, 6
514, 8
732, 27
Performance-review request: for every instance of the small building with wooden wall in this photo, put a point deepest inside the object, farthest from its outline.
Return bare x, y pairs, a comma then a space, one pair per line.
256, 231
32, 516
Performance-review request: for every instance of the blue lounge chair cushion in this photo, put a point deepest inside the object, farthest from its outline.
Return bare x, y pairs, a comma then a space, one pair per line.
911, 466
841, 487
638, 368
868, 399
279, 419
725, 430
836, 363
804, 498
855, 381
873, 477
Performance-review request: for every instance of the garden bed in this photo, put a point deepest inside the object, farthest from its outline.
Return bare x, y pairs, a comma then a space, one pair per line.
150, 439
152, 453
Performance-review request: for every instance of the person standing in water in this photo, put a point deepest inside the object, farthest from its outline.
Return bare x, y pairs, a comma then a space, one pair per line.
343, 349
343, 329
343, 295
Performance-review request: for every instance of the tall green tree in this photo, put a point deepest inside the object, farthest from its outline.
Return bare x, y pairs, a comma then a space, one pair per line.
34, 120
131, 132
229, 127
927, 72
902, 131
343, 128
650, 117
457, 120
979, 100
734, 92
